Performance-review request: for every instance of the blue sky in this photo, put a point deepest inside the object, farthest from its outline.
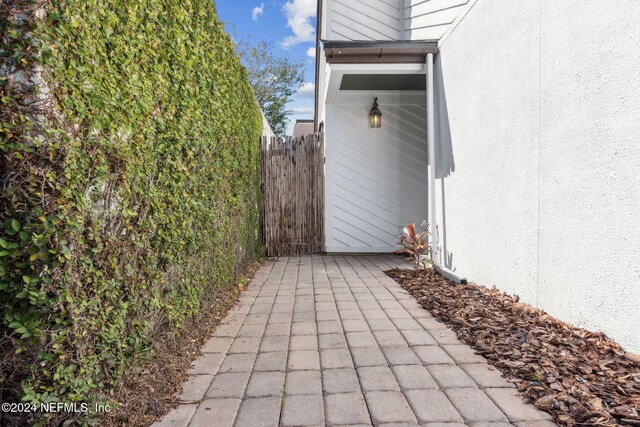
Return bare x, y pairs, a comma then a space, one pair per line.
290, 26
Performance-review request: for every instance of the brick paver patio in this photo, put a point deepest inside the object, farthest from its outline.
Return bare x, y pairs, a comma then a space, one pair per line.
331, 340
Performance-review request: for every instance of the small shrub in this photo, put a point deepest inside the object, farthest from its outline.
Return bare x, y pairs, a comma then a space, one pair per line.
416, 246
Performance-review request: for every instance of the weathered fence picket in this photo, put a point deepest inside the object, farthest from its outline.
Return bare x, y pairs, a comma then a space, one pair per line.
292, 173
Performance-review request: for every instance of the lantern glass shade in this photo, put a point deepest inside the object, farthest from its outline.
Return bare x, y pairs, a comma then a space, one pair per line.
375, 116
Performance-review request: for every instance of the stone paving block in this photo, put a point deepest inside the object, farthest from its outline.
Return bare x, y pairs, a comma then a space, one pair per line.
327, 315
226, 331
346, 409
511, 403
361, 339
303, 382
414, 377
536, 424
419, 312
328, 341
272, 361
305, 328
178, 417
430, 323
260, 309
325, 306
347, 305
257, 319
450, 376
275, 329
491, 424
282, 308
432, 406
275, 343
474, 405
251, 331
389, 338
207, 364
323, 297
263, 384
368, 357
462, 353
407, 324
355, 325
215, 412
335, 358
238, 363
377, 314
432, 355
340, 381
304, 342
195, 388
445, 336
400, 355
308, 316
258, 412
303, 411
351, 315
389, 407
245, 345
280, 318
377, 378
418, 337
381, 325
304, 360
228, 385
217, 345
485, 375
330, 327
368, 305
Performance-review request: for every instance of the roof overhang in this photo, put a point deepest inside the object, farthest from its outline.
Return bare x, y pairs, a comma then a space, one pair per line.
392, 52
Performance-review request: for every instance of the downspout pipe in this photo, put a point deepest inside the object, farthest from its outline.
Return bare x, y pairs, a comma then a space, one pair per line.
431, 176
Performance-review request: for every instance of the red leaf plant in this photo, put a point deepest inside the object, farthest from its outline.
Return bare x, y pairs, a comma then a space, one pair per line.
416, 246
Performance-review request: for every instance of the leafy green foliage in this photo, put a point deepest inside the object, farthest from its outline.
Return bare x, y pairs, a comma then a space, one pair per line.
129, 185
274, 79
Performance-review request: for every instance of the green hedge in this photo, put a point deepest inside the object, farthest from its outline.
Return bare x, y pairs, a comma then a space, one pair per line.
129, 188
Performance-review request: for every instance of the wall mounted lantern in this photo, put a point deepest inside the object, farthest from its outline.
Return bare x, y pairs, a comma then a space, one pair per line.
375, 116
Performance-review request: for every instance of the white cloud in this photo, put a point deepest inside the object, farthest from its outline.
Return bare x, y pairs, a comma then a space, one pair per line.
257, 11
311, 52
302, 110
307, 90
299, 14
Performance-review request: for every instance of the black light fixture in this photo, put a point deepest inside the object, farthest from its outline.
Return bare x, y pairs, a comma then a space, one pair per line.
375, 116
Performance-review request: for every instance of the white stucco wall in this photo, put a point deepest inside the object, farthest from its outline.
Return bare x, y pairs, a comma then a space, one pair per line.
538, 105
375, 178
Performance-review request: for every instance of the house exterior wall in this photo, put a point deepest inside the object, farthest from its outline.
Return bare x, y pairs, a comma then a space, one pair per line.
538, 107
387, 20
375, 178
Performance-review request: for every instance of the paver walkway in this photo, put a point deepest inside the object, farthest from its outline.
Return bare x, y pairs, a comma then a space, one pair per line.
331, 340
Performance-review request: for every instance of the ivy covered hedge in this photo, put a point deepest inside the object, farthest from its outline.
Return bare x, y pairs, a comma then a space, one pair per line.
129, 180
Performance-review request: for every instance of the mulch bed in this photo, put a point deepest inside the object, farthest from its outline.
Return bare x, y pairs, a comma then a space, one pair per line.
580, 377
150, 392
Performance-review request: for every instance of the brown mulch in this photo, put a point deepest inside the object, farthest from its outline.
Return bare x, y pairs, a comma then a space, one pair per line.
150, 392
580, 377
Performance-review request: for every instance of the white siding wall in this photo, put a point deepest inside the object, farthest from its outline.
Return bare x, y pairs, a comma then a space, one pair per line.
539, 184
429, 19
376, 178
384, 20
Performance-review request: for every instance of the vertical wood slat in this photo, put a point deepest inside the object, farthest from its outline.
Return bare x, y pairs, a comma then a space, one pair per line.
292, 203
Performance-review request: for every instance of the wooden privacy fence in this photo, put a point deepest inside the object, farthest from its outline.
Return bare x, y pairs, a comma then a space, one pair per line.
292, 173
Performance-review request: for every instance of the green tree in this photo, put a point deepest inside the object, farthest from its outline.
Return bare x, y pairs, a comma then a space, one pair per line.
275, 79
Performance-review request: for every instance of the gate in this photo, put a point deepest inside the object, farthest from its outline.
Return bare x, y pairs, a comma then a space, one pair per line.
292, 186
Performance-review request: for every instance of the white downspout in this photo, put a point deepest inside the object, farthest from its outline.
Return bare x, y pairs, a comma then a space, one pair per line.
431, 168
